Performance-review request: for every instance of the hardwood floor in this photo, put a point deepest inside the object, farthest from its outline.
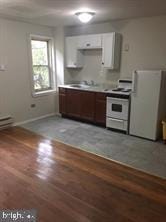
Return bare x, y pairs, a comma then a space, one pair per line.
67, 184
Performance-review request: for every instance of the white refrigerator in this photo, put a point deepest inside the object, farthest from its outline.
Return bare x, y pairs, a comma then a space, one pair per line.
148, 104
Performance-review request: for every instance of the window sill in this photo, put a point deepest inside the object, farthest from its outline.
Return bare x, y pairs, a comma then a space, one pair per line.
44, 93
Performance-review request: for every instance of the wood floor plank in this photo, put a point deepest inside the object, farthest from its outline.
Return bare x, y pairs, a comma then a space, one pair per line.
25, 138
73, 185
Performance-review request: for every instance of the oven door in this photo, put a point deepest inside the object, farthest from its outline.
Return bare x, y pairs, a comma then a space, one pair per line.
117, 108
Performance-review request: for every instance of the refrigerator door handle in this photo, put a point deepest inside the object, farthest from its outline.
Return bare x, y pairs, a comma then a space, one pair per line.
134, 82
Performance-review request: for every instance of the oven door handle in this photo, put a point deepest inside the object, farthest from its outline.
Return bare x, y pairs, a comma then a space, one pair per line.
117, 120
109, 99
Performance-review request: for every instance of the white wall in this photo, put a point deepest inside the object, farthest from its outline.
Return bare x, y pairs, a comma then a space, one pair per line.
147, 48
146, 38
15, 90
59, 33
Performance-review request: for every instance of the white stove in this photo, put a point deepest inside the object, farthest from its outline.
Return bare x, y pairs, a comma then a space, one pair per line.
124, 87
118, 106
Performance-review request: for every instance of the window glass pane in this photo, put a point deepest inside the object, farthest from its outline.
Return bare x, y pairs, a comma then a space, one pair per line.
39, 52
41, 78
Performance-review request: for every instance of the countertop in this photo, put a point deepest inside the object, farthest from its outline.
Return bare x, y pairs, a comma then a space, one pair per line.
89, 88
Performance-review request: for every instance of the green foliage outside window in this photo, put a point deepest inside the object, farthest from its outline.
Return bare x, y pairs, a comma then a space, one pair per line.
41, 75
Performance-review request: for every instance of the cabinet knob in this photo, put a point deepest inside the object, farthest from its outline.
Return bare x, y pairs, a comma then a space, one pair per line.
102, 63
88, 44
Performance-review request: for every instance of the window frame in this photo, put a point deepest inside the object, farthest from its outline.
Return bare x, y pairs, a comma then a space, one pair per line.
51, 65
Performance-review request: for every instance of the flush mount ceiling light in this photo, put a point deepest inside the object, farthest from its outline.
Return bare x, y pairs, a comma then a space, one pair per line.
85, 17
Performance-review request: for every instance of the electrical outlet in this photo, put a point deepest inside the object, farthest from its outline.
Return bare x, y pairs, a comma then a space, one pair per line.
126, 47
33, 105
2, 68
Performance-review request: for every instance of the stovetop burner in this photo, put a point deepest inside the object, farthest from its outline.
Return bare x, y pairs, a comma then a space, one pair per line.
118, 89
126, 90
121, 90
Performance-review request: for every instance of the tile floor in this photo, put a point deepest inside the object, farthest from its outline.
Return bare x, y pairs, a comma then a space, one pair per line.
139, 153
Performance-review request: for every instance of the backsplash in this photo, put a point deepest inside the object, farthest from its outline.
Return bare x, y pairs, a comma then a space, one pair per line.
92, 70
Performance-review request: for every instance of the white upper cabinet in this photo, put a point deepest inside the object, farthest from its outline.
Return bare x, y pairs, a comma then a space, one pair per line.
111, 45
74, 57
90, 42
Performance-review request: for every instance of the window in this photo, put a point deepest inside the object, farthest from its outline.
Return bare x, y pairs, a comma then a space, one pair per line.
42, 68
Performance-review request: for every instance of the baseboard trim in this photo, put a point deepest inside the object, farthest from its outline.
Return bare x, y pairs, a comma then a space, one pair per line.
34, 119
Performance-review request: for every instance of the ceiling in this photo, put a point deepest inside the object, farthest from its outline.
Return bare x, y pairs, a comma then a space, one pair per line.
61, 12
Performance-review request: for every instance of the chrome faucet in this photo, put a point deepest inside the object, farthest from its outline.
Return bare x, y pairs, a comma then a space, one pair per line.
92, 83
85, 82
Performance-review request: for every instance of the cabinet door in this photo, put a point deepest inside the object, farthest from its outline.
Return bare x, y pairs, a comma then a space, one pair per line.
62, 100
73, 101
87, 101
62, 104
111, 45
90, 42
108, 43
100, 109
74, 57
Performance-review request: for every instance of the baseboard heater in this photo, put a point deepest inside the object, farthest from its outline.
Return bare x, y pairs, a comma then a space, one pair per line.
6, 122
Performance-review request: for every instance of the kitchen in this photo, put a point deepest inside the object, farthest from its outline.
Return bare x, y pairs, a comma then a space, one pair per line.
82, 110
111, 107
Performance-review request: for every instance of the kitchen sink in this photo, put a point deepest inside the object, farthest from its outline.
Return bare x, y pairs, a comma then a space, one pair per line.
80, 86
